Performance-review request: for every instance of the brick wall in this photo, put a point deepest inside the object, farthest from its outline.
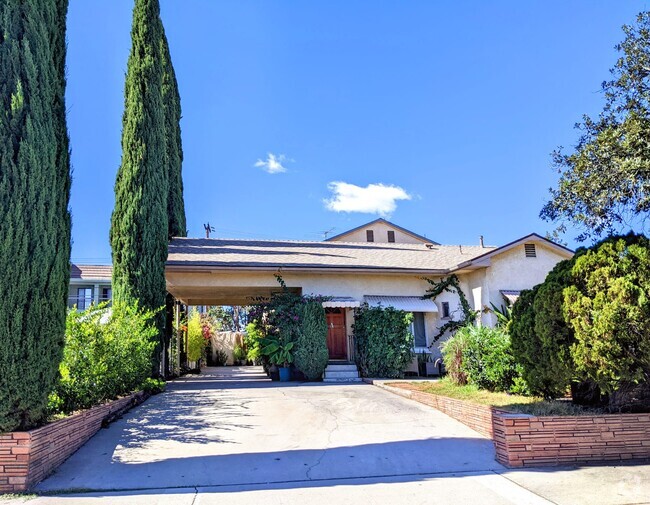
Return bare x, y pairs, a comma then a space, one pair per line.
28, 457
543, 441
522, 440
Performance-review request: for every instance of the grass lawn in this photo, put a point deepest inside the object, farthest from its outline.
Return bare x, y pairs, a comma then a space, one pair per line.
533, 405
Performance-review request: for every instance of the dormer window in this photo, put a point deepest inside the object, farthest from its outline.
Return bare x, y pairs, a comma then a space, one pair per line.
530, 250
370, 236
391, 236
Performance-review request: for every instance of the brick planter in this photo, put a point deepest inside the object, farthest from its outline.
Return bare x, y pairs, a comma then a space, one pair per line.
522, 440
27, 457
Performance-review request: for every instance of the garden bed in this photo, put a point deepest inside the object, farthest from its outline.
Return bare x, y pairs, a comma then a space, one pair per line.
525, 440
27, 457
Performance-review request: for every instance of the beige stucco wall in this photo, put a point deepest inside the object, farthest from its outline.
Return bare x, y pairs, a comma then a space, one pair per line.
381, 235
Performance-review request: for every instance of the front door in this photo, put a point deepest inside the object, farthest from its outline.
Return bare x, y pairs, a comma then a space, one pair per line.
336, 334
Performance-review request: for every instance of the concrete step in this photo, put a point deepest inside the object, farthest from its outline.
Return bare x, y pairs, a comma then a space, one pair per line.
342, 379
341, 368
341, 374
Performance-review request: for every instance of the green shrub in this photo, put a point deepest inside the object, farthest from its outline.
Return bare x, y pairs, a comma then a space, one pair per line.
220, 357
383, 340
541, 339
311, 354
153, 386
239, 354
608, 307
107, 353
453, 349
488, 360
253, 341
195, 339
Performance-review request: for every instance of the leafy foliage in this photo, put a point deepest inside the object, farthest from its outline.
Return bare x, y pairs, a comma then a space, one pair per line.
608, 307
195, 338
253, 341
278, 351
482, 356
239, 353
541, 339
604, 183
107, 353
34, 217
450, 284
311, 353
139, 223
383, 341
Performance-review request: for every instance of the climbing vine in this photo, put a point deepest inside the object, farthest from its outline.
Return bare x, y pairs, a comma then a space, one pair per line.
450, 284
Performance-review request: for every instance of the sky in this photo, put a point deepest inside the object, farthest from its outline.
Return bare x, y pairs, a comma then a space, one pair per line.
301, 118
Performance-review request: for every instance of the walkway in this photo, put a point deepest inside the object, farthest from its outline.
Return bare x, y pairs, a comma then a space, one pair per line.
231, 436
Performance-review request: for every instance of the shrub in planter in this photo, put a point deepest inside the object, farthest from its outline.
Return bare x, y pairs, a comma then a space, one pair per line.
608, 307
239, 354
311, 353
107, 353
383, 341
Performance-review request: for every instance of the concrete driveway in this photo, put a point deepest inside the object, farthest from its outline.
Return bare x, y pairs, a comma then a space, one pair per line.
231, 436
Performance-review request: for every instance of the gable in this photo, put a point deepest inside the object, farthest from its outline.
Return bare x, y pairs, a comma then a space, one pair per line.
381, 231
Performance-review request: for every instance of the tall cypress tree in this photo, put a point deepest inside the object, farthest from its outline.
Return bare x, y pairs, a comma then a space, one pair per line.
173, 145
140, 224
34, 216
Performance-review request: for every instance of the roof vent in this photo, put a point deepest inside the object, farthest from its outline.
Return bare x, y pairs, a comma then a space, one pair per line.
530, 250
429, 245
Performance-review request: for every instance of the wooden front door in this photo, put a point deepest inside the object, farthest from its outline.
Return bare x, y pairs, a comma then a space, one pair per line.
337, 341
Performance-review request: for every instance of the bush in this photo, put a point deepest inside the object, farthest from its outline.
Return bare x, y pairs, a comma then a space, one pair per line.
453, 350
608, 307
220, 357
253, 341
107, 353
488, 360
153, 386
311, 354
383, 341
238, 354
195, 339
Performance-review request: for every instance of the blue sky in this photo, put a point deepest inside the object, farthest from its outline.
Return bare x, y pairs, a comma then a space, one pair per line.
438, 115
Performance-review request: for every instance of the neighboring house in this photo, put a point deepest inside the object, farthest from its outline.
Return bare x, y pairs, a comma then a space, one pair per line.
89, 284
378, 263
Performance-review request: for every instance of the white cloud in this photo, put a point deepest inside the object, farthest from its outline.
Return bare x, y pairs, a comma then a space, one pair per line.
373, 199
273, 163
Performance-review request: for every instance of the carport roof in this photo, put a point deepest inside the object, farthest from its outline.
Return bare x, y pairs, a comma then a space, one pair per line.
205, 254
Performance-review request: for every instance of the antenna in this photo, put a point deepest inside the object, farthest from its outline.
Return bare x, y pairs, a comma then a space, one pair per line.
208, 229
326, 233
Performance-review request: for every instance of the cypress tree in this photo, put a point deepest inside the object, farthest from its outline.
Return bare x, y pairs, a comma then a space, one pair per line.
34, 216
173, 144
140, 224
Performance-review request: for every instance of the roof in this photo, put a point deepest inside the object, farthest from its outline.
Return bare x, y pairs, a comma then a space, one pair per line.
91, 272
483, 259
202, 253
386, 222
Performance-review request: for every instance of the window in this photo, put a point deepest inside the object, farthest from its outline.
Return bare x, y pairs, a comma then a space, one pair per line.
391, 236
107, 294
445, 310
370, 236
84, 298
530, 250
417, 328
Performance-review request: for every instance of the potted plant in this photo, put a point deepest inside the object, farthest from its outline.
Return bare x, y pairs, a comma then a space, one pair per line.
423, 359
239, 355
279, 354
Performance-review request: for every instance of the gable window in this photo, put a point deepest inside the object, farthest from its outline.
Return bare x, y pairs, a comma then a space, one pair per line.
530, 250
391, 236
370, 236
445, 310
417, 328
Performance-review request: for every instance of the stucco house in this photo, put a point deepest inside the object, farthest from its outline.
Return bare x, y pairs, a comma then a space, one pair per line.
379, 263
89, 284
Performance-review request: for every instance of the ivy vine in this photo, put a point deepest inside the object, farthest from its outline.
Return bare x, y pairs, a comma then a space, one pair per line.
450, 284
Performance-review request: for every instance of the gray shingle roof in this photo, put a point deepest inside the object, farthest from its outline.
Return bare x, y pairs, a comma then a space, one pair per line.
273, 254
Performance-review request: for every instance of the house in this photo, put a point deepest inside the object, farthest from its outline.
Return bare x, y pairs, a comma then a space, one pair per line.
378, 263
89, 284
